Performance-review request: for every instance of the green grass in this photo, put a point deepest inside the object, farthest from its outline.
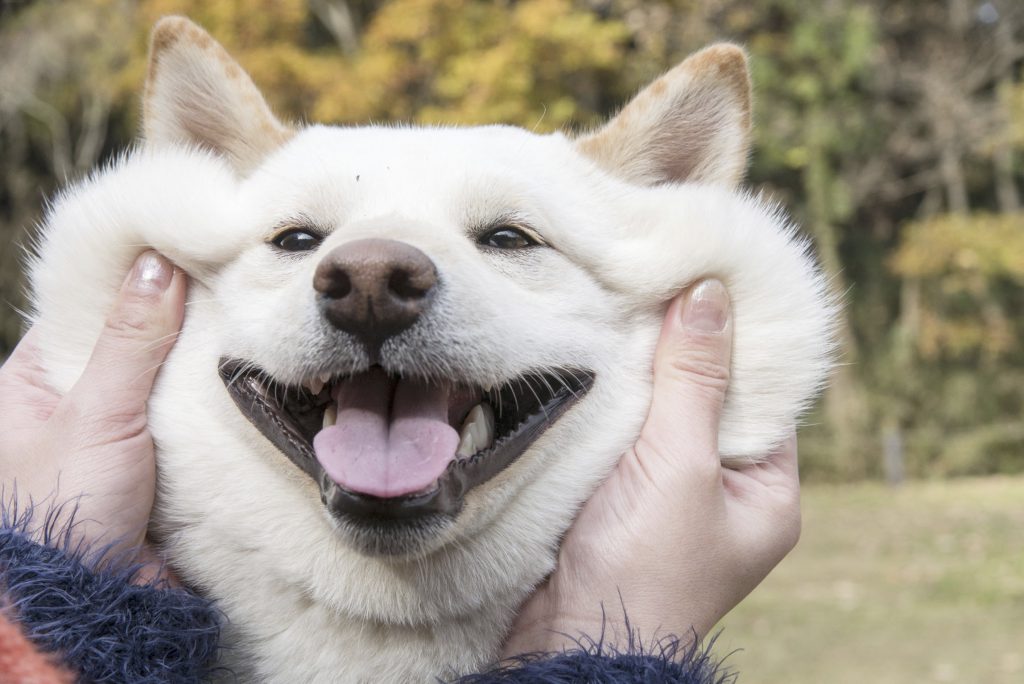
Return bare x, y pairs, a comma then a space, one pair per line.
919, 584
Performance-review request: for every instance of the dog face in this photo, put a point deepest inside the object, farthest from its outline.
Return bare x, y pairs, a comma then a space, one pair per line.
404, 322
410, 354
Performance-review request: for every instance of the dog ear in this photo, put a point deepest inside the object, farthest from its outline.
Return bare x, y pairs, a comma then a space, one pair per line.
692, 124
197, 94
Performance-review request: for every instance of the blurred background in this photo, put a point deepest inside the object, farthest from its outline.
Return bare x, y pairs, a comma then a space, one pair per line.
893, 130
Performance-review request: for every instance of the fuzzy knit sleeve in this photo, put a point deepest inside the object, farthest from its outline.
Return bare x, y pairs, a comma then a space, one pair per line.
94, 620
667, 661
100, 625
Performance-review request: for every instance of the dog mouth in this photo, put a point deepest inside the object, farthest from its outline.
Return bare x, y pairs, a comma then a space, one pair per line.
388, 448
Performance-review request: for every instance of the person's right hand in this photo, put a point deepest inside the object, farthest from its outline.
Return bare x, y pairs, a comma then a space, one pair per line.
91, 448
671, 537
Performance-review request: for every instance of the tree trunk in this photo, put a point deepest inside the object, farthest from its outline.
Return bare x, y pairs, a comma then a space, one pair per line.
844, 403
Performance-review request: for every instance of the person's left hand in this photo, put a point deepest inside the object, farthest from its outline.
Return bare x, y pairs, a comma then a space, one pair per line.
91, 449
672, 537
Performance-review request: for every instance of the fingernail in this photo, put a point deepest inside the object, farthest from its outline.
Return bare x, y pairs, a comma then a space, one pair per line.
707, 307
151, 273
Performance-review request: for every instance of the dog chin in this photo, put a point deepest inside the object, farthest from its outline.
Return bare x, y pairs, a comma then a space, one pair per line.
403, 540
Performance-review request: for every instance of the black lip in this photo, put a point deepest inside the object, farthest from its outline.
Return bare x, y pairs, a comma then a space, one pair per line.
248, 387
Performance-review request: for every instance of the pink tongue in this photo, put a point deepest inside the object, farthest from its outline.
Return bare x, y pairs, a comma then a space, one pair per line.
371, 452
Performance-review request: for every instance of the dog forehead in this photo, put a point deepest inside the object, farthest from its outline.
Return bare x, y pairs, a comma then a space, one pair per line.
418, 169
422, 146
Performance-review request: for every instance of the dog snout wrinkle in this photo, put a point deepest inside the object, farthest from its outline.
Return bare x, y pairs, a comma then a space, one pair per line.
375, 288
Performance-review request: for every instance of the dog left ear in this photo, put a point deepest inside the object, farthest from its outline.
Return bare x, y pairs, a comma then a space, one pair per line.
196, 94
692, 124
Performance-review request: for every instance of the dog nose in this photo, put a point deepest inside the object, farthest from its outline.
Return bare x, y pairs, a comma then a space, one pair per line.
374, 288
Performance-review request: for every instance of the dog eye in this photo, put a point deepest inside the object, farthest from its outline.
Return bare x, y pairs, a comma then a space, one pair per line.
297, 240
507, 237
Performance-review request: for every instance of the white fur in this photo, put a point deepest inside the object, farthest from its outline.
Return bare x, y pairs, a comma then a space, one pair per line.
242, 524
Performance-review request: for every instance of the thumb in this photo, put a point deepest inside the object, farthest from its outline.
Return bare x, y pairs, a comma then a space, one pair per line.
136, 337
691, 375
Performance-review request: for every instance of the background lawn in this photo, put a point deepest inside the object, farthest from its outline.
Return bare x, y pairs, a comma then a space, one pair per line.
919, 584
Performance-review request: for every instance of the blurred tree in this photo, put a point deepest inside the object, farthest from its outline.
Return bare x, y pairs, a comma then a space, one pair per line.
951, 368
893, 130
812, 70
59, 111
968, 396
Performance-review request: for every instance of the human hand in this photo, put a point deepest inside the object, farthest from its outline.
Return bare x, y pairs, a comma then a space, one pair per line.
672, 538
91, 448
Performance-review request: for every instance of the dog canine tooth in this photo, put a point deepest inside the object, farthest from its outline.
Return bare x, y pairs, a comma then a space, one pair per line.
466, 445
331, 415
325, 378
479, 427
315, 386
481, 423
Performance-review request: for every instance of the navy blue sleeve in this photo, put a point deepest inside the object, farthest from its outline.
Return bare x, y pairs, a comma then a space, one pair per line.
100, 624
108, 629
667, 661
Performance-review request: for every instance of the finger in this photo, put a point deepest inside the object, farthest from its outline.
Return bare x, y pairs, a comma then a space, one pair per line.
784, 482
765, 502
691, 375
23, 363
787, 489
135, 340
785, 459
26, 399
774, 478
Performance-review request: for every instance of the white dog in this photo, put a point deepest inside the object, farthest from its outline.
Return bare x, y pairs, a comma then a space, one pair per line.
411, 353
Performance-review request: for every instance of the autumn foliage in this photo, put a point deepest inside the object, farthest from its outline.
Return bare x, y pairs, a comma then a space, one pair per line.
893, 132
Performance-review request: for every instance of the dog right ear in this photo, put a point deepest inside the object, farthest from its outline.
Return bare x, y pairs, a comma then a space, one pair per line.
196, 94
690, 125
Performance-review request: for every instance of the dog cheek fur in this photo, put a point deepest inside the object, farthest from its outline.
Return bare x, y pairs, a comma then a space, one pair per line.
784, 310
175, 202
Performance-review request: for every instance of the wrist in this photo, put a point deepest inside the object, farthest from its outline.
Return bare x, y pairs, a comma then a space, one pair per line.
550, 627
154, 570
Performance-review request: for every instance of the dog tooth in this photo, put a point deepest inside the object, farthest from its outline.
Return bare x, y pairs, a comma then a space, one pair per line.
466, 446
481, 424
325, 378
315, 386
479, 427
489, 422
331, 415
